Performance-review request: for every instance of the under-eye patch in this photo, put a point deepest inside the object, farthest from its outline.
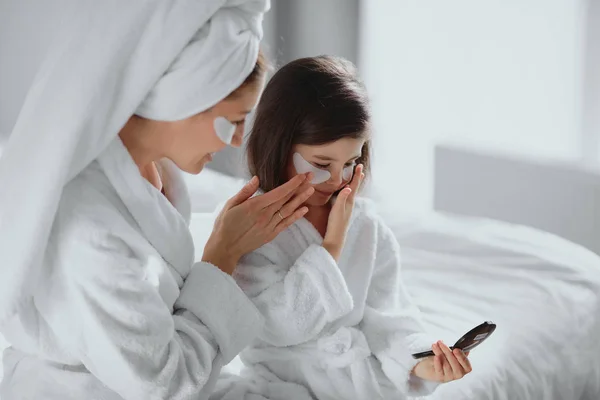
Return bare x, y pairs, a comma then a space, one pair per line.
224, 129
302, 167
348, 172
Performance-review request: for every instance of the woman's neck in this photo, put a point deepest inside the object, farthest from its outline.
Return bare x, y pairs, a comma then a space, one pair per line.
318, 217
152, 175
138, 142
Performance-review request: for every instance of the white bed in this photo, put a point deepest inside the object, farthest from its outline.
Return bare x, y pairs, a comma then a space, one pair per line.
542, 291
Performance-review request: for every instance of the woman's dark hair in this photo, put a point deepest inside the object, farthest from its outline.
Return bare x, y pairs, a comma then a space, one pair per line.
310, 101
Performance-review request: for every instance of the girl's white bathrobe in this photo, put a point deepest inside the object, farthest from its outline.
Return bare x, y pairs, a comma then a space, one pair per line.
341, 330
121, 312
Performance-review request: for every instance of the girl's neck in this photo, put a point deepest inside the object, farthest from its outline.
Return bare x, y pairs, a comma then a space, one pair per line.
318, 217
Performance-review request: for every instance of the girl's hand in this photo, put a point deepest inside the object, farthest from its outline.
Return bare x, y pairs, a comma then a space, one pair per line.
445, 366
246, 223
339, 217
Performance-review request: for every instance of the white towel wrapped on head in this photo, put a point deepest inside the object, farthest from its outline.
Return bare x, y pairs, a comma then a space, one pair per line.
165, 60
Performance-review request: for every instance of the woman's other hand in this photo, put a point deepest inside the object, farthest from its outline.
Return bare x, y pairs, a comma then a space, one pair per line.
447, 365
246, 223
339, 217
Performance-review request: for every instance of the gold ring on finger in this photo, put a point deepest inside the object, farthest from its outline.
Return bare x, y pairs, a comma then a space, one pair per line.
280, 216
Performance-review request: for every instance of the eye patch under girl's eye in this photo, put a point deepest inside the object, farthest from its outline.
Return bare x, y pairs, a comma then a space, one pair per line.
302, 166
348, 171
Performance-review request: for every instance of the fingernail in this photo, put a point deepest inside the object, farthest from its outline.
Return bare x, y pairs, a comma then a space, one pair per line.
304, 210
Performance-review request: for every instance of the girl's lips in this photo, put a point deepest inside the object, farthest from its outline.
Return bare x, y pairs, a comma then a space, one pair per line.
324, 193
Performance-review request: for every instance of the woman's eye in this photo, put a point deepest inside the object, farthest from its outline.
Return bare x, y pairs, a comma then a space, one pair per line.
349, 164
322, 166
239, 122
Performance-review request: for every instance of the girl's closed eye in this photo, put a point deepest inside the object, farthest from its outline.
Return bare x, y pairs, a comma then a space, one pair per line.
322, 166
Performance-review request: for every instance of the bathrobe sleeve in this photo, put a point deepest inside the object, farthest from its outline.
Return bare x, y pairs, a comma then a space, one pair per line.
391, 322
118, 324
296, 302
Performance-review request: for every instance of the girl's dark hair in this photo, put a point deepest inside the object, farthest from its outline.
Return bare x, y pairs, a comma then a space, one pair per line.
310, 101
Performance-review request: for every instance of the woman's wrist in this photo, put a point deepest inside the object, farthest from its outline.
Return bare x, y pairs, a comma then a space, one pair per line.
225, 261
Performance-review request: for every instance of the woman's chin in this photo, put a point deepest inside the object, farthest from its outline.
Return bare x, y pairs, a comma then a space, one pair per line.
196, 168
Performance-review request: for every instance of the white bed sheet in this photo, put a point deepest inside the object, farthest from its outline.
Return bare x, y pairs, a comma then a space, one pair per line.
542, 291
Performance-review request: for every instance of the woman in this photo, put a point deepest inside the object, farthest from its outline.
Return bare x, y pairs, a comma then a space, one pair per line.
99, 297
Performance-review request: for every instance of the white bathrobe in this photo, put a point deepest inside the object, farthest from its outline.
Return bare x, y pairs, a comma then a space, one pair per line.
122, 313
341, 330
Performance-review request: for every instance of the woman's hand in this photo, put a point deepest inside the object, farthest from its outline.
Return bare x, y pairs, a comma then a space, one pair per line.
445, 366
247, 223
339, 217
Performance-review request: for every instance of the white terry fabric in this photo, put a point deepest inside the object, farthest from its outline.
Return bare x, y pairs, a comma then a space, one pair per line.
332, 331
164, 60
175, 188
122, 313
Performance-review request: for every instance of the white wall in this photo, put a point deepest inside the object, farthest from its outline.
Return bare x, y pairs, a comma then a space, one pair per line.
591, 85
556, 197
322, 27
499, 74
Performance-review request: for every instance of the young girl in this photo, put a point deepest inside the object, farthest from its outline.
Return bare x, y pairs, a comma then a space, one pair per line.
339, 324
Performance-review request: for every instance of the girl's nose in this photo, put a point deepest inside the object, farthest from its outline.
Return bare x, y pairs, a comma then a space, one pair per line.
336, 177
